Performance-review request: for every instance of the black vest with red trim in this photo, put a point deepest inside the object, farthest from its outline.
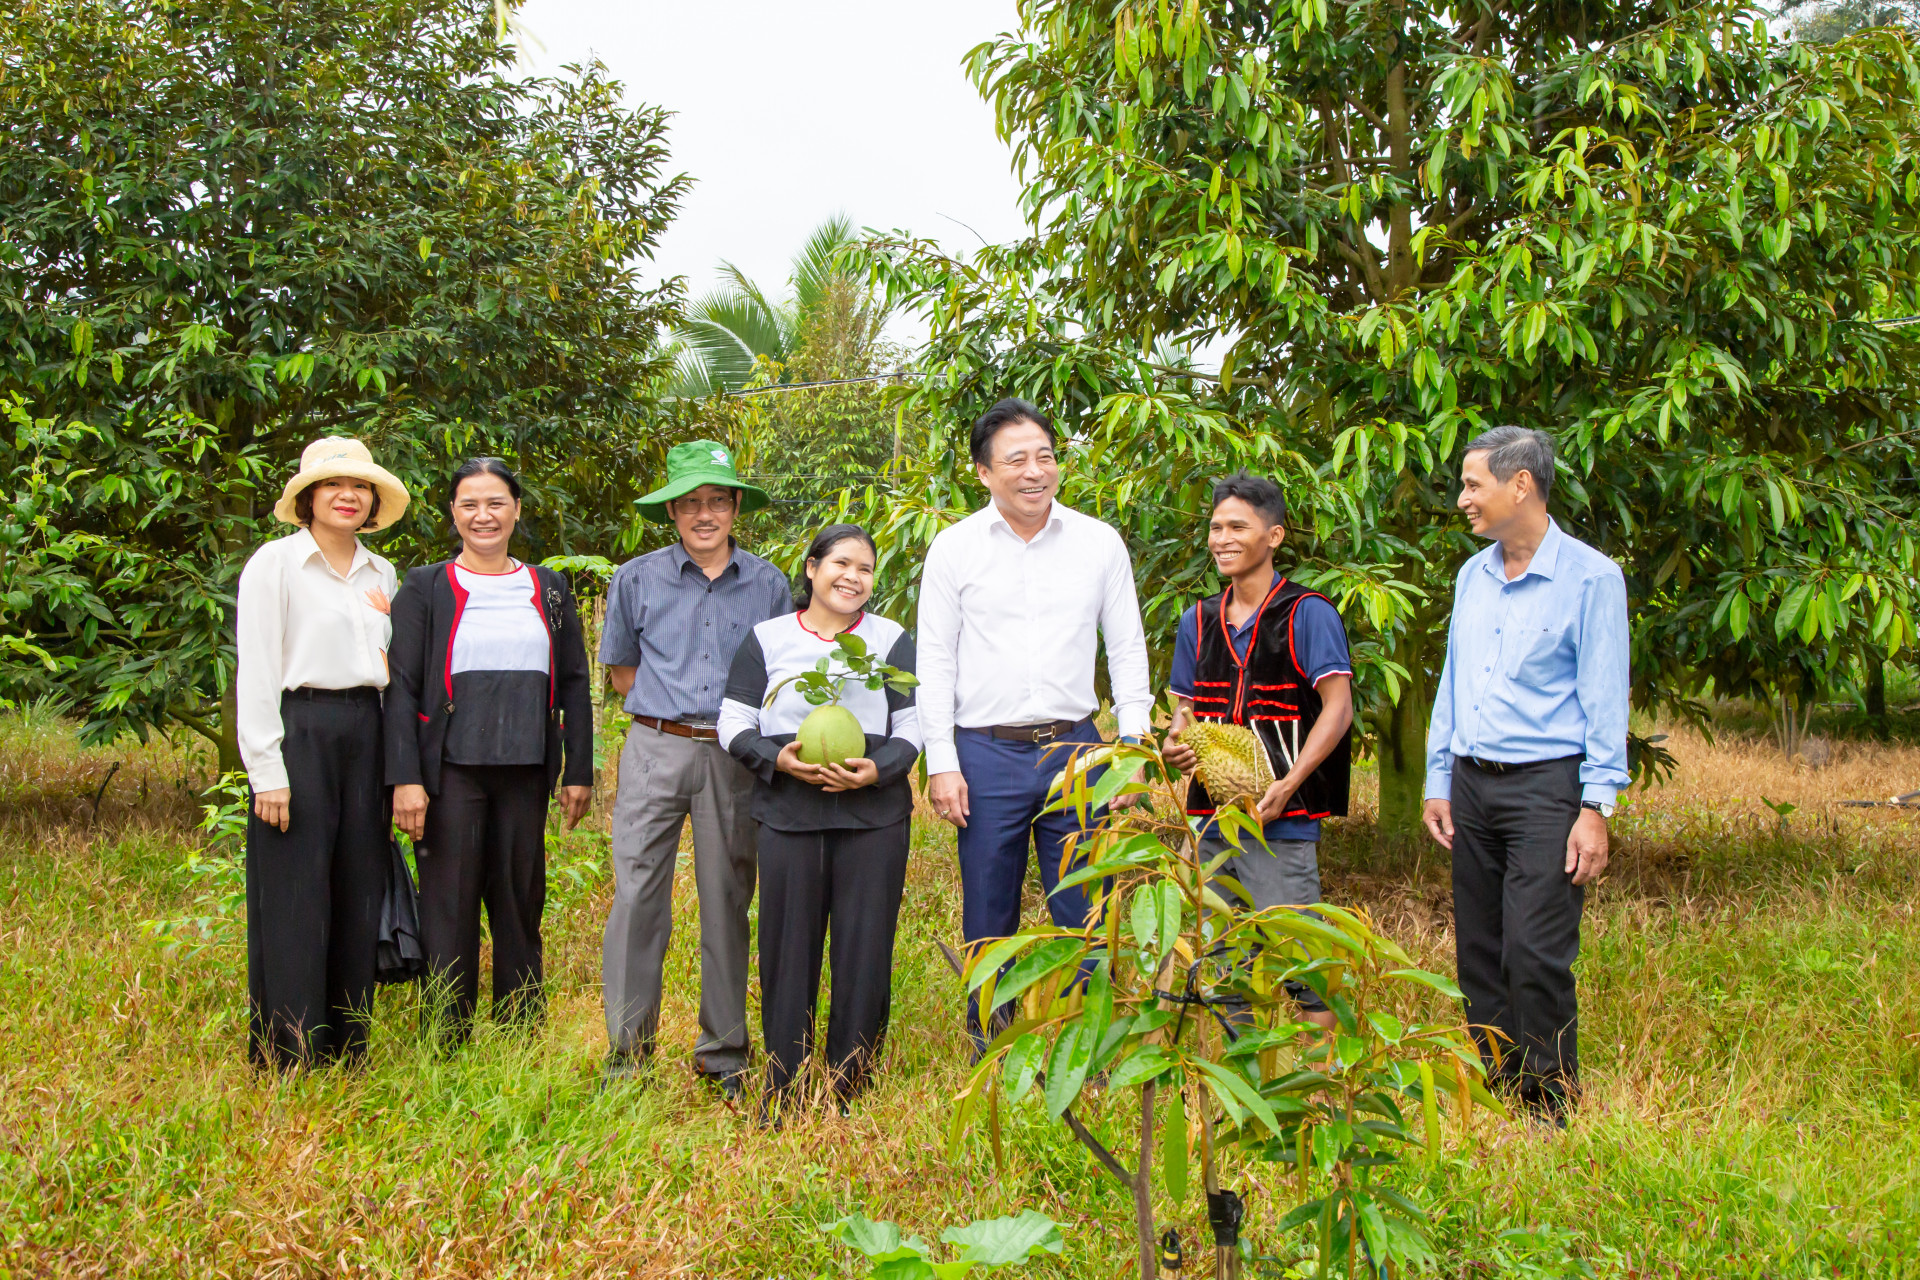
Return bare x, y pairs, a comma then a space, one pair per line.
1271, 693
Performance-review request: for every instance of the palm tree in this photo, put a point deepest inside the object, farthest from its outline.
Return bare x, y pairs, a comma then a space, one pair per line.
731, 330
1825, 21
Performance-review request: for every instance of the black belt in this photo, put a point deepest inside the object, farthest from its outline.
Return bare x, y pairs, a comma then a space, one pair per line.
1051, 731
359, 693
1520, 766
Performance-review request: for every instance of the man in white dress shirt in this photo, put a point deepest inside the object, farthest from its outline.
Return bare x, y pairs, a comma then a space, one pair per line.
1013, 600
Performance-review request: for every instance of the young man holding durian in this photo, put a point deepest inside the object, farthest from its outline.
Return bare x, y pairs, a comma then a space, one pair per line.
1272, 655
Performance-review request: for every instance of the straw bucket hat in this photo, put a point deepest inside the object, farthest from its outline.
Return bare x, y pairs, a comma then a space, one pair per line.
333, 457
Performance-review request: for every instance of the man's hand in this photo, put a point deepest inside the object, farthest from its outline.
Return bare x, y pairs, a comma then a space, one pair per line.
410, 809
1175, 752
852, 775
1587, 847
1438, 816
274, 807
1274, 803
574, 803
948, 794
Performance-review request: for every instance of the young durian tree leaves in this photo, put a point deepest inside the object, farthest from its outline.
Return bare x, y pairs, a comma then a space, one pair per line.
1174, 987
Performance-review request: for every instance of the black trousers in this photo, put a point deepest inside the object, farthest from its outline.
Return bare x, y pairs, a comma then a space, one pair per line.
813, 884
314, 890
486, 844
1516, 917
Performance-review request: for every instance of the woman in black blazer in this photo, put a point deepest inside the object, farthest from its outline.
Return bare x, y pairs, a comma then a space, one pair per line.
490, 704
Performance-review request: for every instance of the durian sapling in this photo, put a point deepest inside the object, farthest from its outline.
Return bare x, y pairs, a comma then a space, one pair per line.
831, 734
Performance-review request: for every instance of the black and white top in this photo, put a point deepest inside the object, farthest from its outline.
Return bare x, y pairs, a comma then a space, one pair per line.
501, 667
782, 647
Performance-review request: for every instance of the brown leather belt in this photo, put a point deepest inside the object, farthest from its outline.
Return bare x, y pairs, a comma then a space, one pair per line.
1051, 731
679, 730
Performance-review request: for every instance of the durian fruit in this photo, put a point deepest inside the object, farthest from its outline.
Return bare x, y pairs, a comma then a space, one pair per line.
1231, 760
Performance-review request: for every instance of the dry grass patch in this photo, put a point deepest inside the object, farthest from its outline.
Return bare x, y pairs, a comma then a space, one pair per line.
1749, 997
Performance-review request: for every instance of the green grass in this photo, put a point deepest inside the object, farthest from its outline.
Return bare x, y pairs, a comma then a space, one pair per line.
1751, 1031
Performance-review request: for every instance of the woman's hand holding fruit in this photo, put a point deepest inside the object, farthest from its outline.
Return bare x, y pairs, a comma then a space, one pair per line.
789, 761
852, 775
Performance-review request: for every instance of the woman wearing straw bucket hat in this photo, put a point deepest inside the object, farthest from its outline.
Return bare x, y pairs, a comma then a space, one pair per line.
312, 632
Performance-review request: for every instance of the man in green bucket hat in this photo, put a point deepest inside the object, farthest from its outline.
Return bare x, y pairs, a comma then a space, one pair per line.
691, 465
674, 618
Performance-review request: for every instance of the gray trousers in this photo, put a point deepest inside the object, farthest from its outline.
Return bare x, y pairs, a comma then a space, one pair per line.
1287, 877
663, 780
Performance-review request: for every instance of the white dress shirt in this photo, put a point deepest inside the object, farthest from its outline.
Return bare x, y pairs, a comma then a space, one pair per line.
1008, 628
302, 624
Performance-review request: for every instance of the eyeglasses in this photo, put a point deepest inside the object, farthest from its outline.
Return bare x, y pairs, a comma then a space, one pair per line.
688, 506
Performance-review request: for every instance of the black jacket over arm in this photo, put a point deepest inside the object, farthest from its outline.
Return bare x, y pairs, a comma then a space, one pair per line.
419, 702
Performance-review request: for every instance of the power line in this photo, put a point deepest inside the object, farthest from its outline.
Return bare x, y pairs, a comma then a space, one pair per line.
831, 382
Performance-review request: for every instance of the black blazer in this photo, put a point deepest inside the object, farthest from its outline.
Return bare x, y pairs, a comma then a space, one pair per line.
419, 699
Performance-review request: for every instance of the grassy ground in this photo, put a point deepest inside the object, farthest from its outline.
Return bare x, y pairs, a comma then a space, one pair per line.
1751, 1012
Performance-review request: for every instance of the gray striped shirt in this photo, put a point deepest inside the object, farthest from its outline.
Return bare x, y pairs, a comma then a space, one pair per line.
679, 629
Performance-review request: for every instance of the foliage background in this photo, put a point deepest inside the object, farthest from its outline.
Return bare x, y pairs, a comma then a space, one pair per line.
1657, 231
230, 226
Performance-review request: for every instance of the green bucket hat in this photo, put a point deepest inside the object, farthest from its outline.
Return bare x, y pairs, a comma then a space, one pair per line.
691, 465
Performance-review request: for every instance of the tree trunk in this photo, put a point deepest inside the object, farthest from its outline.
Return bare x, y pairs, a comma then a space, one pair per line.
228, 743
1877, 697
243, 429
1143, 1189
1403, 750
1400, 266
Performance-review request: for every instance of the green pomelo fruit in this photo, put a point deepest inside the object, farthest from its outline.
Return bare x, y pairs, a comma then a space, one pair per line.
831, 735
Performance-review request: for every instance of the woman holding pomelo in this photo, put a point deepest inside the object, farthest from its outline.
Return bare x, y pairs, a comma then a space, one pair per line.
834, 807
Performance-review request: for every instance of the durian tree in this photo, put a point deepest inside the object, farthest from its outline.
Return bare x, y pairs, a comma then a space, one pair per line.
1175, 992
1656, 230
230, 226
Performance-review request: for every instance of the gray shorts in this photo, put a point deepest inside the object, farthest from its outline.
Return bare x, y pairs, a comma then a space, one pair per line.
1289, 876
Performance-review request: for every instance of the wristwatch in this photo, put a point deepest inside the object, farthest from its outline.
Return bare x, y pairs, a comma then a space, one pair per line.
1599, 807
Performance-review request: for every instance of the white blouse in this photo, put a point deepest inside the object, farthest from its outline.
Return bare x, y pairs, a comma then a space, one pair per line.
301, 624
500, 625
786, 648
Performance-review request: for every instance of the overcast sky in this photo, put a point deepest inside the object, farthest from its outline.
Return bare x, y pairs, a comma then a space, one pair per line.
790, 112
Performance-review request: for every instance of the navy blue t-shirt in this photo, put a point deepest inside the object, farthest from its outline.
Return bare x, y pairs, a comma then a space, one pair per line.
1319, 646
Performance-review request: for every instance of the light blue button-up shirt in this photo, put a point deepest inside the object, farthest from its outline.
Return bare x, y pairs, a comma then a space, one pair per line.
1536, 667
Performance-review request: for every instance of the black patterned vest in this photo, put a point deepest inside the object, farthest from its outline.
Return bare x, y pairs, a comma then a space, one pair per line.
1270, 693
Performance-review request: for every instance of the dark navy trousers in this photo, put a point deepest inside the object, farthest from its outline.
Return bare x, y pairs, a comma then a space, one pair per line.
1006, 790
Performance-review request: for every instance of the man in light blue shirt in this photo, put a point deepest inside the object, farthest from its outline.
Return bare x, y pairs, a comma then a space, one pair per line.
1525, 753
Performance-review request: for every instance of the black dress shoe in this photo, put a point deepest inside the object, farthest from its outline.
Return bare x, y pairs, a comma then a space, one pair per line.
732, 1085
623, 1069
